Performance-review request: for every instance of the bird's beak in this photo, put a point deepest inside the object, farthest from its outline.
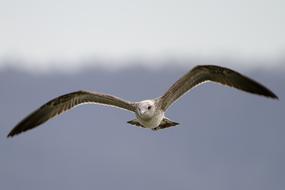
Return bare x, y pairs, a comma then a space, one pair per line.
142, 112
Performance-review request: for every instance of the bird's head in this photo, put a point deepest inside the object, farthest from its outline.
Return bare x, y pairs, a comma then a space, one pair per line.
146, 109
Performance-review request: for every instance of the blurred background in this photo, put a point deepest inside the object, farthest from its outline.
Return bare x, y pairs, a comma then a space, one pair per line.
226, 139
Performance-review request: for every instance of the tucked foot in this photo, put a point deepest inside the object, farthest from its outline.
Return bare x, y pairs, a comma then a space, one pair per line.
135, 122
165, 123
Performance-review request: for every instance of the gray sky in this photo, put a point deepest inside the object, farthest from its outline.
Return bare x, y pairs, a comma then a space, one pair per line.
227, 139
45, 32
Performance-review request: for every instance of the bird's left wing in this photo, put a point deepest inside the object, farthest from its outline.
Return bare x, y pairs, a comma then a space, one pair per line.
64, 103
204, 73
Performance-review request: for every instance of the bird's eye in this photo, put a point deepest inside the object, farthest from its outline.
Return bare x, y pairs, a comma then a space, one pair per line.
149, 107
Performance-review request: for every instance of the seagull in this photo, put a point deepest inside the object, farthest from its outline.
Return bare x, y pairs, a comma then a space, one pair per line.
149, 113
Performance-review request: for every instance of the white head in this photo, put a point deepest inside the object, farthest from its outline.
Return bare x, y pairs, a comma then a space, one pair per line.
146, 109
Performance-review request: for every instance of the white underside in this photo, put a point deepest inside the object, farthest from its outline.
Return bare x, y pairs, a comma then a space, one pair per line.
153, 122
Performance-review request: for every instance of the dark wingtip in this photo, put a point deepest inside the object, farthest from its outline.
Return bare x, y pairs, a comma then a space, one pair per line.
270, 94
14, 132
274, 96
259, 89
10, 135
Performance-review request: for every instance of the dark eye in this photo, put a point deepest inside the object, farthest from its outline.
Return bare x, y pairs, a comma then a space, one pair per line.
149, 107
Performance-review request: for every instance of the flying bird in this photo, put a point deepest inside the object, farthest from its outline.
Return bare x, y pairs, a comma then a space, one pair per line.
149, 113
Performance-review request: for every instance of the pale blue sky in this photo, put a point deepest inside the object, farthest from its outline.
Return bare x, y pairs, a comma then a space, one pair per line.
61, 30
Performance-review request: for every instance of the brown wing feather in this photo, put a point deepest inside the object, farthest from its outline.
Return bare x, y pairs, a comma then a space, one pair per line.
225, 76
64, 103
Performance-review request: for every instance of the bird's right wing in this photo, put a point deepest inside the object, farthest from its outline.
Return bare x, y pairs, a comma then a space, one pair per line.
64, 103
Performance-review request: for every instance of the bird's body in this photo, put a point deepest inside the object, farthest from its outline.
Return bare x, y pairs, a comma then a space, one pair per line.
152, 120
149, 113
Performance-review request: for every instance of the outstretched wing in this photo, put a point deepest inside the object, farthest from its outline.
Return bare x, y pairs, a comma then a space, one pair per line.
204, 73
64, 103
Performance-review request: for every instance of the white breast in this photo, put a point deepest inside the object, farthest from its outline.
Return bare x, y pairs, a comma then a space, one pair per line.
152, 122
